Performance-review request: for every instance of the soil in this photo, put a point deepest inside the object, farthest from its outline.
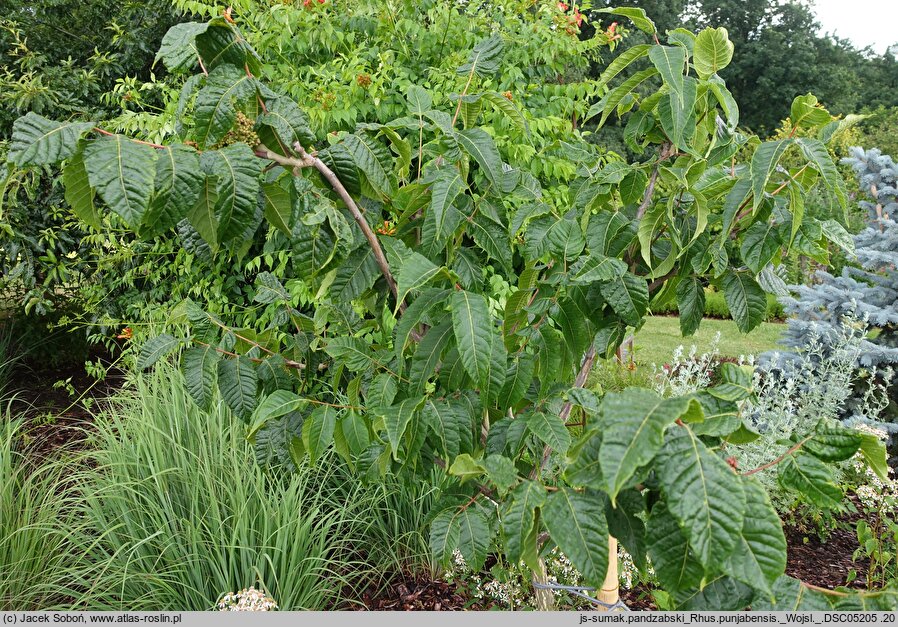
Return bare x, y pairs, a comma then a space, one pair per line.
59, 417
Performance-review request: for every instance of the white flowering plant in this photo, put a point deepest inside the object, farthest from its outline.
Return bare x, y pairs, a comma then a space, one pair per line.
247, 600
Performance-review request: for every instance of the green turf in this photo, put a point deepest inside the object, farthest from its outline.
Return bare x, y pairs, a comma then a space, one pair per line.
657, 340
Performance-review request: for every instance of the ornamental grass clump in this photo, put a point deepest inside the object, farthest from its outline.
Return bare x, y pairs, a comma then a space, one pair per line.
179, 510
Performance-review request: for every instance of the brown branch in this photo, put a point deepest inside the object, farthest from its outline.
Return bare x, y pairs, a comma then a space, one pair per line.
777, 460
289, 363
586, 367
136, 141
306, 160
665, 153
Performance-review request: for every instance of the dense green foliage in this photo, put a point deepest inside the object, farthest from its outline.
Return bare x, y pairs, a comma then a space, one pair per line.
437, 323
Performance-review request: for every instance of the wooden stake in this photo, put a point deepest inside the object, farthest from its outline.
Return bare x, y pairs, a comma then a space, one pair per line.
610, 592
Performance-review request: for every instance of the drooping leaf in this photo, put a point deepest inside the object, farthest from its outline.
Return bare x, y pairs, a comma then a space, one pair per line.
278, 403
628, 295
690, 303
576, 522
155, 349
373, 159
450, 421
396, 419
550, 429
671, 62
428, 355
78, 192
703, 493
675, 564
216, 103
355, 275
815, 151
318, 430
474, 333
811, 478
416, 272
199, 366
289, 124
477, 143
760, 555
760, 244
745, 299
833, 442
763, 165
635, 14
622, 62
474, 537
178, 48
122, 173
237, 195
519, 522
278, 206
633, 424
444, 534
178, 183
484, 58
791, 595
237, 382
39, 141
677, 113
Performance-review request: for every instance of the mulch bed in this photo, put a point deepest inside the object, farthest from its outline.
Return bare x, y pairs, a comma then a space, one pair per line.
407, 593
825, 564
54, 419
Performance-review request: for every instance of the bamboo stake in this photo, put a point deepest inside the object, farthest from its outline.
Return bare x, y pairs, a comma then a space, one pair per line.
610, 592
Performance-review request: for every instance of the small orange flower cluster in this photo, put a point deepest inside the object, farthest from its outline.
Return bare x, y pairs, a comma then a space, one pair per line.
363, 80
388, 228
126, 334
308, 3
574, 20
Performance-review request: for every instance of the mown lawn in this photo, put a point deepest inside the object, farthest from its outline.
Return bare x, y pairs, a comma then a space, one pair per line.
657, 340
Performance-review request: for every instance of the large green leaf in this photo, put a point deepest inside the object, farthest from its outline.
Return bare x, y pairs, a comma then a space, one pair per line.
760, 244
416, 272
474, 333
202, 215
484, 58
633, 424
444, 533
396, 420
677, 113
237, 195
448, 184
874, 452
179, 181
450, 421
671, 62
519, 522
278, 206
122, 172
474, 537
237, 382
625, 522
428, 300
609, 102
39, 141
155, 349
355, 275
78, 192
318, 430
815, 151
178, 48
374, 160
549, 428
428, 355
622, 61
636, 15
675, 564
811, 478
492, 238
278, 403
792, 595
690, 303
289, 124
832, 442
216, 103
598, 267
703, 493
576, 522
628, 295
713, 51
199, 366
760, 555
477, 143
745, 299
763, 165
